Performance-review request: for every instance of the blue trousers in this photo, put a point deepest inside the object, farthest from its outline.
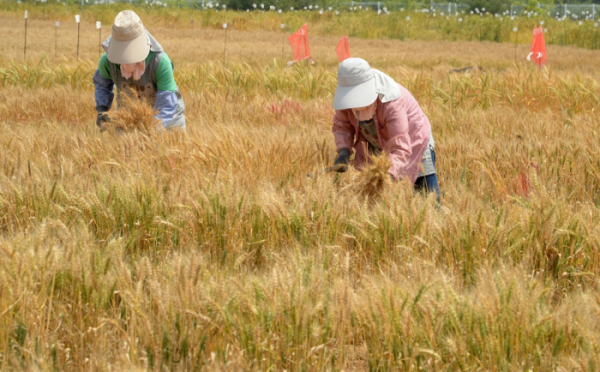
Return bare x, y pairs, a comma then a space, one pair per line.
428, 183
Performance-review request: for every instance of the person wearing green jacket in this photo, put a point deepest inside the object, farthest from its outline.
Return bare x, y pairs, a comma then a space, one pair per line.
135, 62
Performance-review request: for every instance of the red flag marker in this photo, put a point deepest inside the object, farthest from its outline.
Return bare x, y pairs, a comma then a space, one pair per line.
299, 43
343, 49
538, 47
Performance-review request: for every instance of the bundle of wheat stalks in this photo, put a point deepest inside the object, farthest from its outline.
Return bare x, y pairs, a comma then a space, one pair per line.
373, 180
134, 114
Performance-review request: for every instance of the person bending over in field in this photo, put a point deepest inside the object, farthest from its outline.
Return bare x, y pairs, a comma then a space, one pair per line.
373, 113
136, 63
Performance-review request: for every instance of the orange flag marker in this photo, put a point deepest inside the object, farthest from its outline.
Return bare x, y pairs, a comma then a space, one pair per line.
299, 43
342, 50
538, 47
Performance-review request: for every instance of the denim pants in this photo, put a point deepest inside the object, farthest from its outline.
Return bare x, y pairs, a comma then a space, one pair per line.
428, 183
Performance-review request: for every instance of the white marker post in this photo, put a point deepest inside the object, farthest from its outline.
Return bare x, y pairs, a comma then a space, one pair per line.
99, 27
25, 42
282, 40
56, 25
515, 30
225, 48
77, 19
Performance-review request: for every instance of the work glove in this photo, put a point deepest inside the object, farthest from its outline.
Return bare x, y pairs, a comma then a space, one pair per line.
342, 161
102, 118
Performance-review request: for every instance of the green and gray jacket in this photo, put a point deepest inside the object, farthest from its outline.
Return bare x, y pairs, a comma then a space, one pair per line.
156, 85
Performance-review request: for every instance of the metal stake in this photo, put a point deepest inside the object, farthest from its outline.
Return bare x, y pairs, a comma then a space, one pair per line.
515, 31
99, 27
25, 42
56, 38
77, 18
78, 27
282, 40
225, 45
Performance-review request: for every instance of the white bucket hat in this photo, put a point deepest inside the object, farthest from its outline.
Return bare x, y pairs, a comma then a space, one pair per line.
356, 86
129, 42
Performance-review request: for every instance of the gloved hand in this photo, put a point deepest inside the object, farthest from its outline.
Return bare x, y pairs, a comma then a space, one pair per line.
342, 161
101, 119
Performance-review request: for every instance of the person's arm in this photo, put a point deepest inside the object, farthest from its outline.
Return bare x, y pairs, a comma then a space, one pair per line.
399, 146
103, 92
343, 130
166, 99
104, 86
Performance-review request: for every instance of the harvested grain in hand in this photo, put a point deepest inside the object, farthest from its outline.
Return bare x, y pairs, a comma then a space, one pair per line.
134, 114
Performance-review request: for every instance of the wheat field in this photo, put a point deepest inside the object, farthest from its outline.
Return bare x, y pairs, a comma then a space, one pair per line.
214, 250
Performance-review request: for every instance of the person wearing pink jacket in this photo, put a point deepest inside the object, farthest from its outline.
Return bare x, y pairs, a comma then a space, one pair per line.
374, 114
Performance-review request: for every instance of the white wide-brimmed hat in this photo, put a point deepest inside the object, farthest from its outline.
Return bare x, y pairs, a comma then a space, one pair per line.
129, 42
356, 86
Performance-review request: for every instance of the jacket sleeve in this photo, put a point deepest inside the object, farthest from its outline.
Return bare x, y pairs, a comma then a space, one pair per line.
166, 105
343, 130
399, 145
103, 92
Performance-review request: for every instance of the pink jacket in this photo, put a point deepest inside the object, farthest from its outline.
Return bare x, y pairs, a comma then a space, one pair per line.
403, 131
